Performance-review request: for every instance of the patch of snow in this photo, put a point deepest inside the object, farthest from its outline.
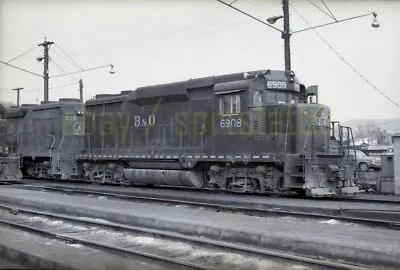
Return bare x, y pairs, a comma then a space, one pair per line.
330, 221
182, 205
95, 220
75, 245
55, 222
46, 220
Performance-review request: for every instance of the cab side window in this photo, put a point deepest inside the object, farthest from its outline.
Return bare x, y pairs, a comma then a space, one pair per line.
229, 104
258, 98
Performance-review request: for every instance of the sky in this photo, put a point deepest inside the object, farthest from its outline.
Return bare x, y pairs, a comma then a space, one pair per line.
152, 41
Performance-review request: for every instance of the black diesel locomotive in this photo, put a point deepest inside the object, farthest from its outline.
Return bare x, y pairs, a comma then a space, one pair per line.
260, 131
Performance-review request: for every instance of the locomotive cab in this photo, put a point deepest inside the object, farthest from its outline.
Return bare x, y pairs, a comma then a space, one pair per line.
271, 116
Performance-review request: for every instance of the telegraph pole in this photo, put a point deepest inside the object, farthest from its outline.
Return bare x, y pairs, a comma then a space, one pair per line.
81, 90
18, 89
46, 46
286, 33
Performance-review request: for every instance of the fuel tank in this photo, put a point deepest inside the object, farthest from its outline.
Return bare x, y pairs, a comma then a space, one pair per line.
165, 177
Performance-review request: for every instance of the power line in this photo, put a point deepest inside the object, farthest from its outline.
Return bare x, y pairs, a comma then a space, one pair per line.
59, 54
69, 57
22, 54
315, 5
63, 70
345, 61
326, 6
54, 87
30, 72
85, 70
248, 15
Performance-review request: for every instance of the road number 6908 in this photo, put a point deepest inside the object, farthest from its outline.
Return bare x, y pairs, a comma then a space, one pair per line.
276, 85
227, 123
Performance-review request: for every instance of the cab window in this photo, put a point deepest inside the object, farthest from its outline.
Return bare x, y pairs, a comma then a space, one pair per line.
258, 98
276, 97
229, 104
293, 99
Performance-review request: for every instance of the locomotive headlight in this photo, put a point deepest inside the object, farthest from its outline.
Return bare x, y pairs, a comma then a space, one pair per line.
306, 113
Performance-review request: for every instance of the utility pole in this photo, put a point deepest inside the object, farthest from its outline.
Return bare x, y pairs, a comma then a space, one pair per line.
81, 90
46, 46
18, 89
286, 33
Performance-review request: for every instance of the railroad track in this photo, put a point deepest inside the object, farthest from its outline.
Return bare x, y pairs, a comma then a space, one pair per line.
213, 191
27, 220
367, 200
391, 219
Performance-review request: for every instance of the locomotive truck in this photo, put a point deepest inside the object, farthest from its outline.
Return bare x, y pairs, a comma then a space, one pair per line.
261, 131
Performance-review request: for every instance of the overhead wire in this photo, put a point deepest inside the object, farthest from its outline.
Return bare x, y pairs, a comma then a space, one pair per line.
63, 70
21, 69
158, 34
53, 87
326, 6
59, 54
22, 54
40, 89
69, 57
318, 7
344, 60
185, 32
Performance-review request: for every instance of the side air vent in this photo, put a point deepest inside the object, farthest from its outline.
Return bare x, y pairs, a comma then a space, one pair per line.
255, 125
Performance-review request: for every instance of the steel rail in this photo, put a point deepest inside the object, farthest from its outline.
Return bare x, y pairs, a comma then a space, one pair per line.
367, 200
234, 208
169, 235
97, 245
192, 189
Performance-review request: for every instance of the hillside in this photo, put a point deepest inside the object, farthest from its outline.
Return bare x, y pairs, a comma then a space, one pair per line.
7, 104
374, 131
389, 125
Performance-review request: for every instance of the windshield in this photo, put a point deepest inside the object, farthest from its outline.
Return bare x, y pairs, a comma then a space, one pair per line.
276, 97
280, 97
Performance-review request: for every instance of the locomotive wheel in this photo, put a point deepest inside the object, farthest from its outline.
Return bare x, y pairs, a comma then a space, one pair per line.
206, 181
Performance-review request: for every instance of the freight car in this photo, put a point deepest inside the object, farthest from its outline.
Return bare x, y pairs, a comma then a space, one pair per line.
9, 163
47, 136
260, 131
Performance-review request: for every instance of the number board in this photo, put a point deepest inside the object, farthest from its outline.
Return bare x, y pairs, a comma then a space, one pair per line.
277, 85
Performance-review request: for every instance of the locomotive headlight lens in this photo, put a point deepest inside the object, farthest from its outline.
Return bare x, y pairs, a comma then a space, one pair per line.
306, 113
